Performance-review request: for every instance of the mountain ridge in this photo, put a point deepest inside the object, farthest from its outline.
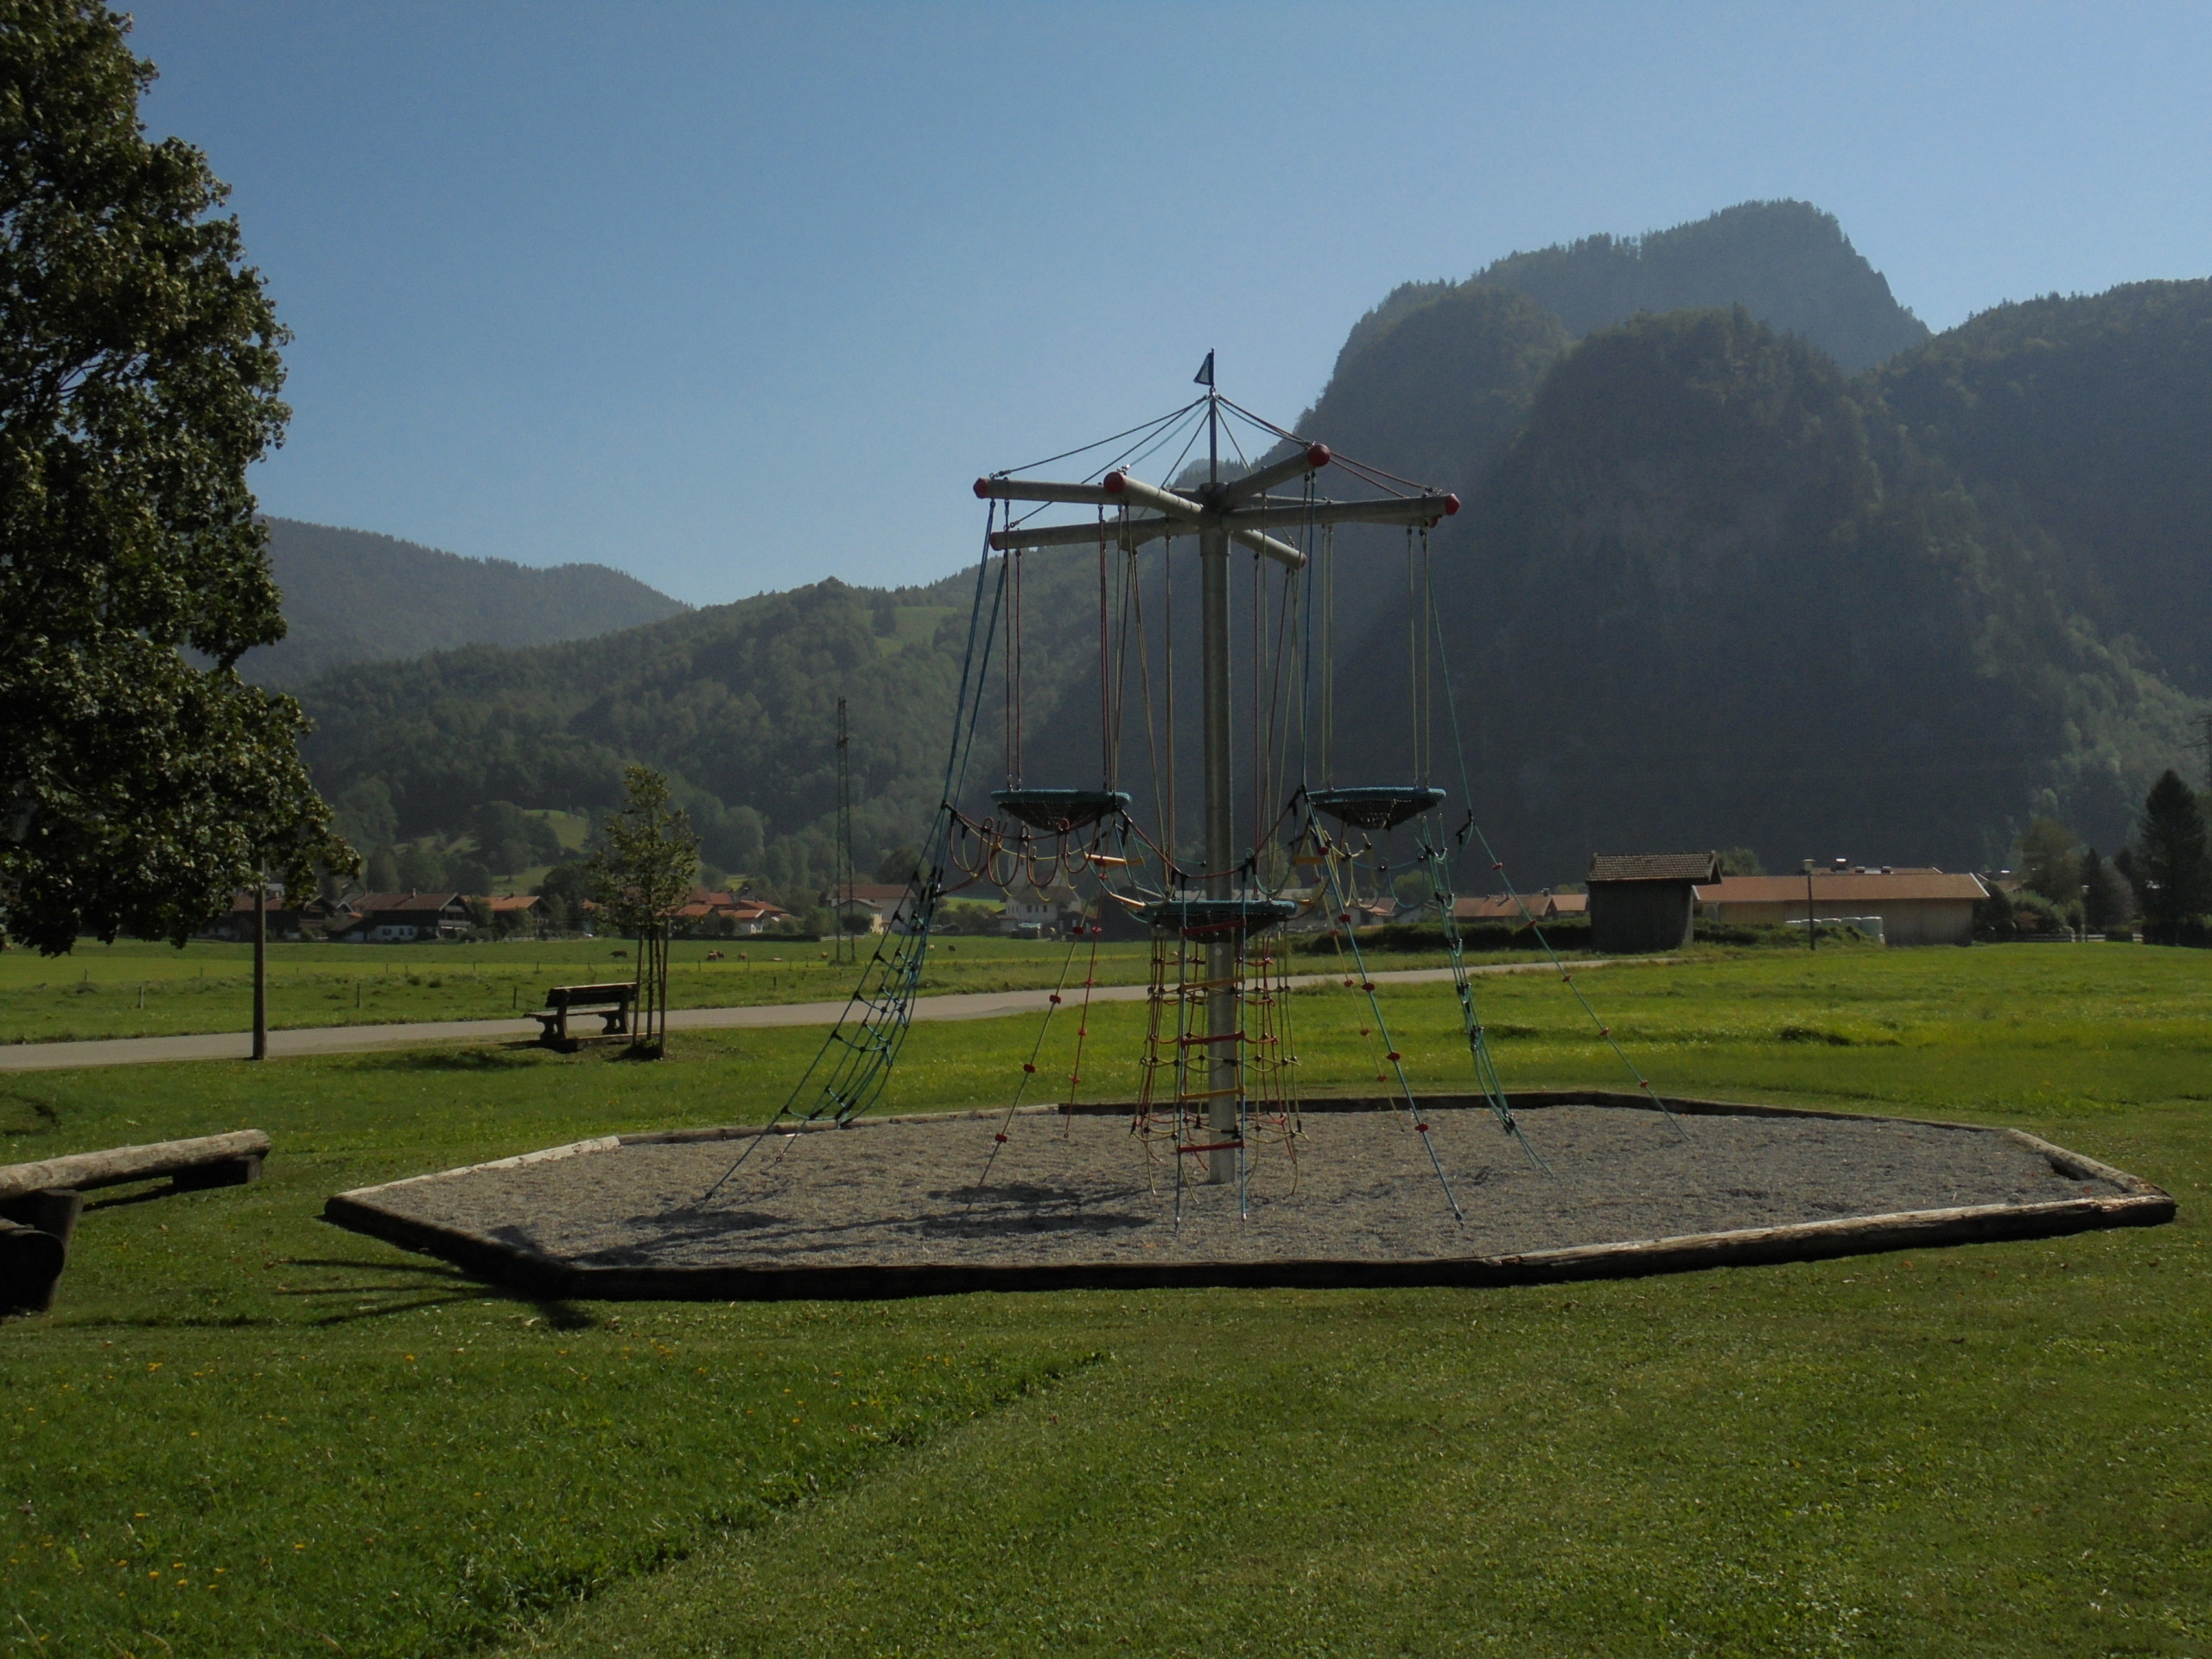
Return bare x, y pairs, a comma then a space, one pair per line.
356, 595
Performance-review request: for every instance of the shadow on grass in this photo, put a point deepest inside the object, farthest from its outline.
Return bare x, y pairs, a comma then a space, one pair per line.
163, 1188
413, 1285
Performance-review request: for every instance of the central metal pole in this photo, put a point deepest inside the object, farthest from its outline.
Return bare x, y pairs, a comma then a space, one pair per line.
1224, 1025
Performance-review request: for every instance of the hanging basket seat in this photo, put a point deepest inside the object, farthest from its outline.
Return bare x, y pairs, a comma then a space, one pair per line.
1212, 918
1059, 809
1375, 806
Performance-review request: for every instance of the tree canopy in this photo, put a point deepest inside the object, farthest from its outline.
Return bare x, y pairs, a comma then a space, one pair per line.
139, 374
641, 876
2171, 862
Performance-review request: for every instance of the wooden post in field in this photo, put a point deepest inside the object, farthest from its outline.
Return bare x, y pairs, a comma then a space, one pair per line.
260, 963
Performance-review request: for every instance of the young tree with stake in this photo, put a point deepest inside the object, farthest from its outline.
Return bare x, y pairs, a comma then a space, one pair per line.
641, 876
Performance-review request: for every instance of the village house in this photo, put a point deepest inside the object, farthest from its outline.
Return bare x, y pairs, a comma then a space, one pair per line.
1506, 908
282, 921
869, 906
1916, 907
1047, 910
717, 915
404, 917
517, 912
1316, 914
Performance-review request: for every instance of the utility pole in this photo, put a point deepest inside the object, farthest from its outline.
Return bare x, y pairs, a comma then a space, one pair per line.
261, 961
1220, 515
843, 899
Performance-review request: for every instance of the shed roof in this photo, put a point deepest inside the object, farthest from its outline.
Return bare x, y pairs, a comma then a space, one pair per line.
874, 892
386, 903
1655, 867
1506, 906
1847, 887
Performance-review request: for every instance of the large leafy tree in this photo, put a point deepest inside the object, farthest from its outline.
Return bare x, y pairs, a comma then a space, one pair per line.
2050, 861
139, 376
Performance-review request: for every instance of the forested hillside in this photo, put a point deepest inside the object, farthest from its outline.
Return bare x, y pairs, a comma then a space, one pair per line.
1708, 589
737, 702
1711, 597
2095, 413
353, 597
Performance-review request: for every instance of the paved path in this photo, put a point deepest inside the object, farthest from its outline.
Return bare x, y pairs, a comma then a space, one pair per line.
354, 1039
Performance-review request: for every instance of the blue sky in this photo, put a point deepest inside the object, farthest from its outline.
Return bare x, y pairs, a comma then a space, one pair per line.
738, 297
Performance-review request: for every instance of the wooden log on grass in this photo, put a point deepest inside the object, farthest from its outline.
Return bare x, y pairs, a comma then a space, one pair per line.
230, 1159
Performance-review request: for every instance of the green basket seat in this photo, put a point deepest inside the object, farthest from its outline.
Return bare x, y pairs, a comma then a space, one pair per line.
1205, 918
1059, 809
1375, 806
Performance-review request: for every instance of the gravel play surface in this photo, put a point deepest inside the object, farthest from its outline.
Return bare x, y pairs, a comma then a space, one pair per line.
1082, 1189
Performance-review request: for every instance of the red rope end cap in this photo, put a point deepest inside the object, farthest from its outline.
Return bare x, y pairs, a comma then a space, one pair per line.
1114, 480
1316, 455
1394, 1057
1420, 1128
1000, 1139
1451, 505
1056, 996
1027, 1066
982, 489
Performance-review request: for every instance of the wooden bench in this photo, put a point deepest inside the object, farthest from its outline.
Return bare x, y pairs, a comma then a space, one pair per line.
39, 1202
610, 1002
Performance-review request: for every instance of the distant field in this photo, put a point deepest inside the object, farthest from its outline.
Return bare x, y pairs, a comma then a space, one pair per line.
244, 1434
132, 989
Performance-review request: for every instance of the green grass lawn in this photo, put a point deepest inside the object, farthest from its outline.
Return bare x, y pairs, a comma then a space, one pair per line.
135, 989
2002, 1450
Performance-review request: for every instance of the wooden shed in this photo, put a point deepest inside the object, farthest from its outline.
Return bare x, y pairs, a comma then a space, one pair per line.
1646, 901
